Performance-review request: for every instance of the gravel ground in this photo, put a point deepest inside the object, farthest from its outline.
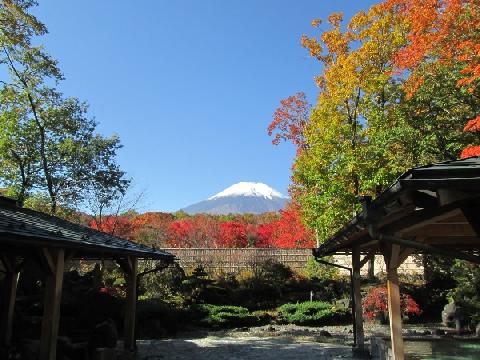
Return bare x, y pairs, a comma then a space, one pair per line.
276, 342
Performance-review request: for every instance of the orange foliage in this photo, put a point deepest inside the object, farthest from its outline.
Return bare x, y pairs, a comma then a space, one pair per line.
443, 30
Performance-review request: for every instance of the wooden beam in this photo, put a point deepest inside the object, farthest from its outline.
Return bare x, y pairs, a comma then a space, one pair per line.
394, 313
357, 299
431, 249
441, 229
51, 305
367, 257
9, 293
130, 305
422, 218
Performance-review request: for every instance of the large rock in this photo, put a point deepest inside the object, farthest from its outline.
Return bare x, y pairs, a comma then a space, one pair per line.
448, 314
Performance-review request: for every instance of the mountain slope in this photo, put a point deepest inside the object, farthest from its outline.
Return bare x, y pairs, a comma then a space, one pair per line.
244, 197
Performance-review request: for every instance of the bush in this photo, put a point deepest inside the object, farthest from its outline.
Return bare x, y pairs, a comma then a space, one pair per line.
316, 313
225, 316
467, 292
315, 270
375, 304
166, 284
156, 318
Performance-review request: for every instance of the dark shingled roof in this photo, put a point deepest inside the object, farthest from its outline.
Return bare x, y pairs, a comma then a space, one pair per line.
23, 229
421, 182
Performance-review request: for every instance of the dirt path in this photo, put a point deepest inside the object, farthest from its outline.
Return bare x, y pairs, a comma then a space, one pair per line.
245, 348
247, 344
270, 342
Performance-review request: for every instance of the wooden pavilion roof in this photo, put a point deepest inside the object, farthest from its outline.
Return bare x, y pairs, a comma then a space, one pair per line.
23, 231
436, 206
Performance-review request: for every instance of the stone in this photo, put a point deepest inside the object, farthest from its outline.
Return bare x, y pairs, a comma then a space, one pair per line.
325, 333
448, 314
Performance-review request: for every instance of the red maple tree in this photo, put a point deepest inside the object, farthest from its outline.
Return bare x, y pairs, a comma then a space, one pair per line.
289, 120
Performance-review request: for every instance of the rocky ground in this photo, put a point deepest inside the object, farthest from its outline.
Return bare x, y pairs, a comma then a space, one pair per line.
276, 342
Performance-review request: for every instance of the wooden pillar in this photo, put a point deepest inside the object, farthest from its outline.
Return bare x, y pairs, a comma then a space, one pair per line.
9, 292
54, 259
393, 260
357, 297
131, 303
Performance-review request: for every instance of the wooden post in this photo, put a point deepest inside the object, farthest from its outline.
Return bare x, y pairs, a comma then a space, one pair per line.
357, 298
9, 293
131, 303
392, 260
51, 304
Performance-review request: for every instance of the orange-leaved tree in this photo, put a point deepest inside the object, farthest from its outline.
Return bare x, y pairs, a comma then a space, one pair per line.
442, 33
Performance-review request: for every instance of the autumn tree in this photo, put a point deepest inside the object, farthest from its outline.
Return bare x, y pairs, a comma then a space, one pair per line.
289, 231
352, 134
443, 37
289, 120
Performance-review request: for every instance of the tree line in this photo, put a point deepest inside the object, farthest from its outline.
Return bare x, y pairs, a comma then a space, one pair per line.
269, 230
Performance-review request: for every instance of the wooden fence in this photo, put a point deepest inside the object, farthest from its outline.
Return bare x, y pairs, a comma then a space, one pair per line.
235, 260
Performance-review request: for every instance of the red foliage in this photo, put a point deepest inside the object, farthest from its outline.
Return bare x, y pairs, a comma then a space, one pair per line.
473, 125
233, 235
197, 231
264, 235
289, 120
120, 226
470, 151
290, 232
163, 230
179, 233
376, 302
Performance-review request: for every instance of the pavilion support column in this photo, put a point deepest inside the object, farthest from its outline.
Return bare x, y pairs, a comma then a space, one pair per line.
357, 298
393, 259
54, 259
131, 272
9, 292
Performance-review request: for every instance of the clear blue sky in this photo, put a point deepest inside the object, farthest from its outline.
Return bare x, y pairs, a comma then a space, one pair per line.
189, 86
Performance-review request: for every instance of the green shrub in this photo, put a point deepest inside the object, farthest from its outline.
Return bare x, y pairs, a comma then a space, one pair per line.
317, 313
316, 270
225, 316
166, 284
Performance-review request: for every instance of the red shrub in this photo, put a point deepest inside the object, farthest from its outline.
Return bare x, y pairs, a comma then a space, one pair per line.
376, 302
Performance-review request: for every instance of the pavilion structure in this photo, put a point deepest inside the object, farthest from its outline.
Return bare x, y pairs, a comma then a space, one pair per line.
27, 234
431, 209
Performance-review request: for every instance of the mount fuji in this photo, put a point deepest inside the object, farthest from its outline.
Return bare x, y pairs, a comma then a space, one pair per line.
241, 198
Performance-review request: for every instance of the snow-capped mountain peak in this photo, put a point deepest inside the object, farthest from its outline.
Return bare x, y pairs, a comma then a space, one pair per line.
241, 198
248, 189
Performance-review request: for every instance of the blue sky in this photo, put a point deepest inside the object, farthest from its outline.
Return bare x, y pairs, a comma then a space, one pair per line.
189, 86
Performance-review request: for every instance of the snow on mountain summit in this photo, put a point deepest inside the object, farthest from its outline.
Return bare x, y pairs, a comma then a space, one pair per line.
249, 189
